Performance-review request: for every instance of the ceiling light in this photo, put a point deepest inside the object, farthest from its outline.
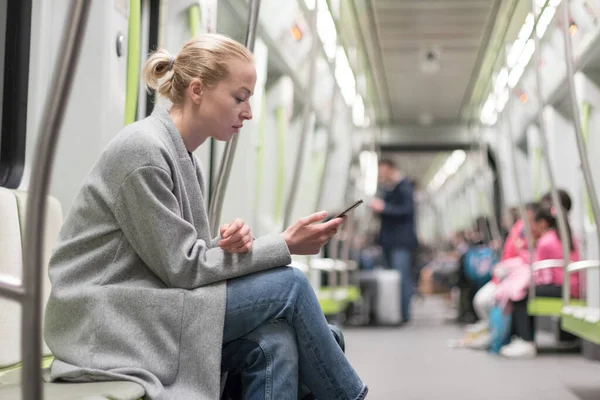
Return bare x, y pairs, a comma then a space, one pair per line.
501, 80
358, 111
345, 77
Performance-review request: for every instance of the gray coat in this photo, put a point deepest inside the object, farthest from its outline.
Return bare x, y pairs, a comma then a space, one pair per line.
138, 285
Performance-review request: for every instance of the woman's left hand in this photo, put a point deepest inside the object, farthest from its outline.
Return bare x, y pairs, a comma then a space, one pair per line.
236, 237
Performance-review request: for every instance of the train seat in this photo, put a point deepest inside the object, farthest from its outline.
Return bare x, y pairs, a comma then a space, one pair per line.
12, 224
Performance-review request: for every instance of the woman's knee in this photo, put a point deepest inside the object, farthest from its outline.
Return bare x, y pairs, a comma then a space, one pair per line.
275, 342
284, 276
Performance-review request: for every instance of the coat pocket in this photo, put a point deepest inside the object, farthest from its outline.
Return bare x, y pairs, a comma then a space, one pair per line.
139, 328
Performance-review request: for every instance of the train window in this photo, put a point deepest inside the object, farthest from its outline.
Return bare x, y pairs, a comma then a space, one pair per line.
15, 36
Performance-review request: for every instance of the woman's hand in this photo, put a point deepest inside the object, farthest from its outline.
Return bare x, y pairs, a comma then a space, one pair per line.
236, 237
307, 237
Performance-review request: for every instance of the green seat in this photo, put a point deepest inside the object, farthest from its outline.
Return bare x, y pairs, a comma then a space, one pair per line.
580, 327
330, 306
548, 306
353, 293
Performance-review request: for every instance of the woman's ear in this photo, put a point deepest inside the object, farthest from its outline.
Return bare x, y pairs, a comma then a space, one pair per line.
196, 90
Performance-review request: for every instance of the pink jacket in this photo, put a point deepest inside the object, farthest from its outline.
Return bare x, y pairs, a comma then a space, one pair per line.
515, 285
514, 242
516, 282
549, 247
514, 246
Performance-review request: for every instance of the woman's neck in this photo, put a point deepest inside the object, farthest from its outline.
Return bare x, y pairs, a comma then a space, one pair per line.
190, 135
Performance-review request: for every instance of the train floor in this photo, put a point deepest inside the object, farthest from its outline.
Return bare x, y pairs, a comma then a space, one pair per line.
415, 362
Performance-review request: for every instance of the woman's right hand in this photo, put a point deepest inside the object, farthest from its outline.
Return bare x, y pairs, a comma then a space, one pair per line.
306, 237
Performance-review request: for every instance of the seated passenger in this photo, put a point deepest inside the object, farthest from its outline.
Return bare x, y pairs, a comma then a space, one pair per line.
514, 246
475, 267
443, 269
548, 281
140, 290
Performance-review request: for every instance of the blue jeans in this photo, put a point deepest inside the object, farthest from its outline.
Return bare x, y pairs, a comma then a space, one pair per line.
284, 295
401, 260
266, 352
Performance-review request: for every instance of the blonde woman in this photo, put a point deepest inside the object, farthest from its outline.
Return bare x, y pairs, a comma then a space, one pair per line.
141, 292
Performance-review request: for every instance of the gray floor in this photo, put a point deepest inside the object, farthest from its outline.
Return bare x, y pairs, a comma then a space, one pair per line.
414, 362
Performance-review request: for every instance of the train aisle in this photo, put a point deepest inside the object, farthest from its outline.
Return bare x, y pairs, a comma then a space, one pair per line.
415, 363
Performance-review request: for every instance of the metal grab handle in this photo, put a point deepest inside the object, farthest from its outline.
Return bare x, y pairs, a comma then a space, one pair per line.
583, 156
582, 265
43, 158
546, 264
308, 109
11, 288
216, 201
560, 211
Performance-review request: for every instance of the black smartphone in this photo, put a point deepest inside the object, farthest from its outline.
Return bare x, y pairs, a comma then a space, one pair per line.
347, 210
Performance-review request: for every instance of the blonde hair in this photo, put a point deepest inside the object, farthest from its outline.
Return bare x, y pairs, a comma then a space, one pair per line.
204, 57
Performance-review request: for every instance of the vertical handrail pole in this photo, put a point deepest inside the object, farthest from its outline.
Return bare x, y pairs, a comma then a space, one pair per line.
43, 159
308, 109
583, 156
522, 207
560, 212
218, 195
328, 146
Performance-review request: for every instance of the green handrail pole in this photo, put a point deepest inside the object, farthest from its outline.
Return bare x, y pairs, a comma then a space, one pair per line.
583, 156
194, 15
133, 60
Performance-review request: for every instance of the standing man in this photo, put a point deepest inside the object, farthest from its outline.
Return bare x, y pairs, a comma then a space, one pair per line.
397, 236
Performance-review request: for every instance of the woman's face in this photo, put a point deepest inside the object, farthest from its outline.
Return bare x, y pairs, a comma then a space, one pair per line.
222, 109
539, 228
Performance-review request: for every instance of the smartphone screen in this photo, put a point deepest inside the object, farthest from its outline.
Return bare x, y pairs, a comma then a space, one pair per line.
347, 210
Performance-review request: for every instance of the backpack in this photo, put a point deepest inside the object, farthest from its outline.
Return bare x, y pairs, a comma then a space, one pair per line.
479, 262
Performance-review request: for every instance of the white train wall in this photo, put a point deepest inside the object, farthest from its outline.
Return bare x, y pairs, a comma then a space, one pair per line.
268, 144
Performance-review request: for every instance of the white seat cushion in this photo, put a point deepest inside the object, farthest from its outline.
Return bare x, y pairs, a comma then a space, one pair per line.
11, 265
13, 206
10, 388
54, 220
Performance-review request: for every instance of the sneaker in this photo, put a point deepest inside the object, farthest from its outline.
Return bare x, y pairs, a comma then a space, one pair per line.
478, 327
519, 348
481, 342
